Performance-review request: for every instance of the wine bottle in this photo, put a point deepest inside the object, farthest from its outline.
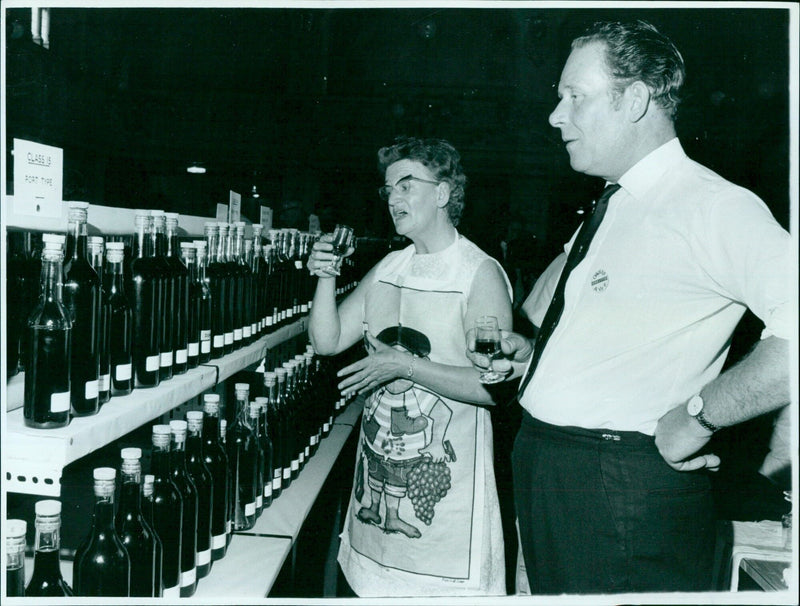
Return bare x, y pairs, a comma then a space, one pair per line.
221, 315
242, 461
254, 418
194, 301
166, 362
205, 304
167, 512
46, 402
242, 272
96, 254
144, 287
180, 299
147, 514
217, 462
265, 443
227, 233
46, 580
250, 287
284, 429
134, 531
223, 430
15, 262
188, 491
256, 265
22, 295
267, 289
273, 431
81, 293
102, 564
120, 321
290, 404
200, 474
15, 557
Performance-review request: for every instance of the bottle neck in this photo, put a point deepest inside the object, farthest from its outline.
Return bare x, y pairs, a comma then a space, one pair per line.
194, 445
237, 247
48, 534
177, 454
77, 239
161, 462
173, 246
191, 265
241, 409
103, 510
116, 275
221, 247
212, 243
142, 242
210, 428
51, 279
130, 496
160, 239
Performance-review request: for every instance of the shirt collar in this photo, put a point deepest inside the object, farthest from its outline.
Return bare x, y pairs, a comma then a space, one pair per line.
638, 180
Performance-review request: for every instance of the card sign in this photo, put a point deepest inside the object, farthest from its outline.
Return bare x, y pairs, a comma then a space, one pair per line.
222, 213
38, 179
266, 218
235, 207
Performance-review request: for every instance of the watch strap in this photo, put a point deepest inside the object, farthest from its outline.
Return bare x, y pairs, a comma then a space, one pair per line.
705, 423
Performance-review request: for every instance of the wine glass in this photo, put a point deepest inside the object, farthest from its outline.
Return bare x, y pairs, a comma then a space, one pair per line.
487, 343
341, 242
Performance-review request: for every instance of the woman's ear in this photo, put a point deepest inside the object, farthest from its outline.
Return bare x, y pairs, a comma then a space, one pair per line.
442, 194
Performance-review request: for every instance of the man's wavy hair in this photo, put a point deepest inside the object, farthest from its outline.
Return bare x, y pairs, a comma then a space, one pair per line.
439, 157
638, 51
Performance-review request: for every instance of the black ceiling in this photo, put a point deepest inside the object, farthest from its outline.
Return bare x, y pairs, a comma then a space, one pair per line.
271, 96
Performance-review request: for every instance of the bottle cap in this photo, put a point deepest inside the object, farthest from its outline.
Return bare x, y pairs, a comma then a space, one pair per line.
48, 507
104, 473
187, 245
194, 415
131, 453
255, 407
261, 400
242, 387
115, 246
177, 426
16, 528
211, 397
160, 430
157, 213
172, 216
281, 372
54, 239
96, 240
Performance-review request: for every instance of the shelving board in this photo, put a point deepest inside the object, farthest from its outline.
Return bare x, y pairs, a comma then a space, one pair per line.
34, 458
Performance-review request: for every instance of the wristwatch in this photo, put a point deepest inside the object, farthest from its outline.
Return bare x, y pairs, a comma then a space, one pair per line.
695, 409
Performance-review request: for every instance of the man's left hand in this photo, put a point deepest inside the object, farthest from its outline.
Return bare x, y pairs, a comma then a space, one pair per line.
679, 436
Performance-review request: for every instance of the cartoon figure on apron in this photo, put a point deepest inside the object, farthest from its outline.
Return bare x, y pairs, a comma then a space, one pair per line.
404, 445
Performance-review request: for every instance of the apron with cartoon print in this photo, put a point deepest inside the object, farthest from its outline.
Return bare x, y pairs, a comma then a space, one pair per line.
423, 518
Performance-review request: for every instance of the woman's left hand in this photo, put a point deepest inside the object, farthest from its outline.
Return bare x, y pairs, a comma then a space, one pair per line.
382, 365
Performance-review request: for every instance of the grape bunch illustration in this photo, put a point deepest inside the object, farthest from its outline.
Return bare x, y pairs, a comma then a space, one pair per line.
428, 483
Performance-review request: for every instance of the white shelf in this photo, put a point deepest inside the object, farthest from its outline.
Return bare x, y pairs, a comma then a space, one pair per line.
34, 458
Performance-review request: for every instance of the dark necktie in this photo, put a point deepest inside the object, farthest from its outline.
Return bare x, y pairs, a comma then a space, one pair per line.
576, 255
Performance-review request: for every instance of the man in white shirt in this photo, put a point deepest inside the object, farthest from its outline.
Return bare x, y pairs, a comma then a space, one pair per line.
611, 491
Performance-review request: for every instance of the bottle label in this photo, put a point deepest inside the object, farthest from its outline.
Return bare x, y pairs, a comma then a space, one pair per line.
306, 452
310, 305
287, 473
268, 490
104, 382
259, 501
247, 331
90, 390
237, 334
205, 335
194, 350
204, 557
166, 359
283, 314
59, 402
314, 440
250, 509
123, 372
298, 264
218, 541
277, 482
228, 526
269, 321
171, 592
255, 327
228, 338
295, 465
180, 356
304, 308
188, 577
326, 427
289, 312
219, 341
205, 347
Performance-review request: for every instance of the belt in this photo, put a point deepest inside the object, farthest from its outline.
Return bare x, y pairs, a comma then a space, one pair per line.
634, 439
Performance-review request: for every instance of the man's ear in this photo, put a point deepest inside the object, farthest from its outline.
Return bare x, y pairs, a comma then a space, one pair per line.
637, 97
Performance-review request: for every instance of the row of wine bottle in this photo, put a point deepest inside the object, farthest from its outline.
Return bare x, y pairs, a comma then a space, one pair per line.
207, 482
106, 324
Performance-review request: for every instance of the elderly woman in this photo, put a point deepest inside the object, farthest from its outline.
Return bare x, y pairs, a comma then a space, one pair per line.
423, 518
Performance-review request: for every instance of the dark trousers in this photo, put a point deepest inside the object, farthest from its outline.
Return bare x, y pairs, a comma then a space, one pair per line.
601, 512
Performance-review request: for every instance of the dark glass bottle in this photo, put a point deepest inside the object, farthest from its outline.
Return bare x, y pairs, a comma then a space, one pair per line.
46, 580
134, 531
102, 564
284, 429
237, 280
144, 287
189, 258
120, 320
81, 294
254, 416
15, 326
242, 461
223, 430
201, 476
228, 269
166, 363
217, 462
180, 299
26, 294
265, 444
291, 415
270, 311
167, 513
256, 264
221, 314
273, 431
188, 490
304, 413
15, 557
147, 513
250, 288
96, 254
46, 401
205, 304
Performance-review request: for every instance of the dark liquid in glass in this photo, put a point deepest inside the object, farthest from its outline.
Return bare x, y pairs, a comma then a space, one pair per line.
47, 372
47, 580
15, 582
487, 347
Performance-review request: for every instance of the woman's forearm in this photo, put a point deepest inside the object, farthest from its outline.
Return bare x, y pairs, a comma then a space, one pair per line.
324, 326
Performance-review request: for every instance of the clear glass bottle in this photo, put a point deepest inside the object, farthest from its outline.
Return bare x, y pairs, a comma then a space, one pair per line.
273, 431
47, 580
223, 431
242, 461
134, 531
168, 298
254, 417
205, 304
96, 254
180, 475
48, 340
102, 564
265, 444
120, 320
15, 557
217, 462
204, 482
189, 258
147, 513
180, 298
167, 512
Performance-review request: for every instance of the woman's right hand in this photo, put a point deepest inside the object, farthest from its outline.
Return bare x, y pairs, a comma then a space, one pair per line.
320, 261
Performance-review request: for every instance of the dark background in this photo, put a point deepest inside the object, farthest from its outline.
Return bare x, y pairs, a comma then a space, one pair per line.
298, 101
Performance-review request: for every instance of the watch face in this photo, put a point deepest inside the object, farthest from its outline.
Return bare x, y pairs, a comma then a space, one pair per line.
694, 406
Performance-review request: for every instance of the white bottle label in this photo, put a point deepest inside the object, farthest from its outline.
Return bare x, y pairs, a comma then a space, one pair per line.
166, 359
123, 372
205, 335
276, 483
228, 338
314, 440
188, 577
304, 308
194, 350
59, 402
250, 509
204, 557
247, 331
268, 490
289, 313
287, 473
205, 347
219, 341
298, 264
104, 382
326, 427
172, 592
295, 465
218, 541
237, 334
91, 389
255, 327
269, 321
228, 526
259, 501
306, 452
181, 356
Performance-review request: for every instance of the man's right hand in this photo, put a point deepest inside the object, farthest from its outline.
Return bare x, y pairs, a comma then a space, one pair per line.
516, 351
